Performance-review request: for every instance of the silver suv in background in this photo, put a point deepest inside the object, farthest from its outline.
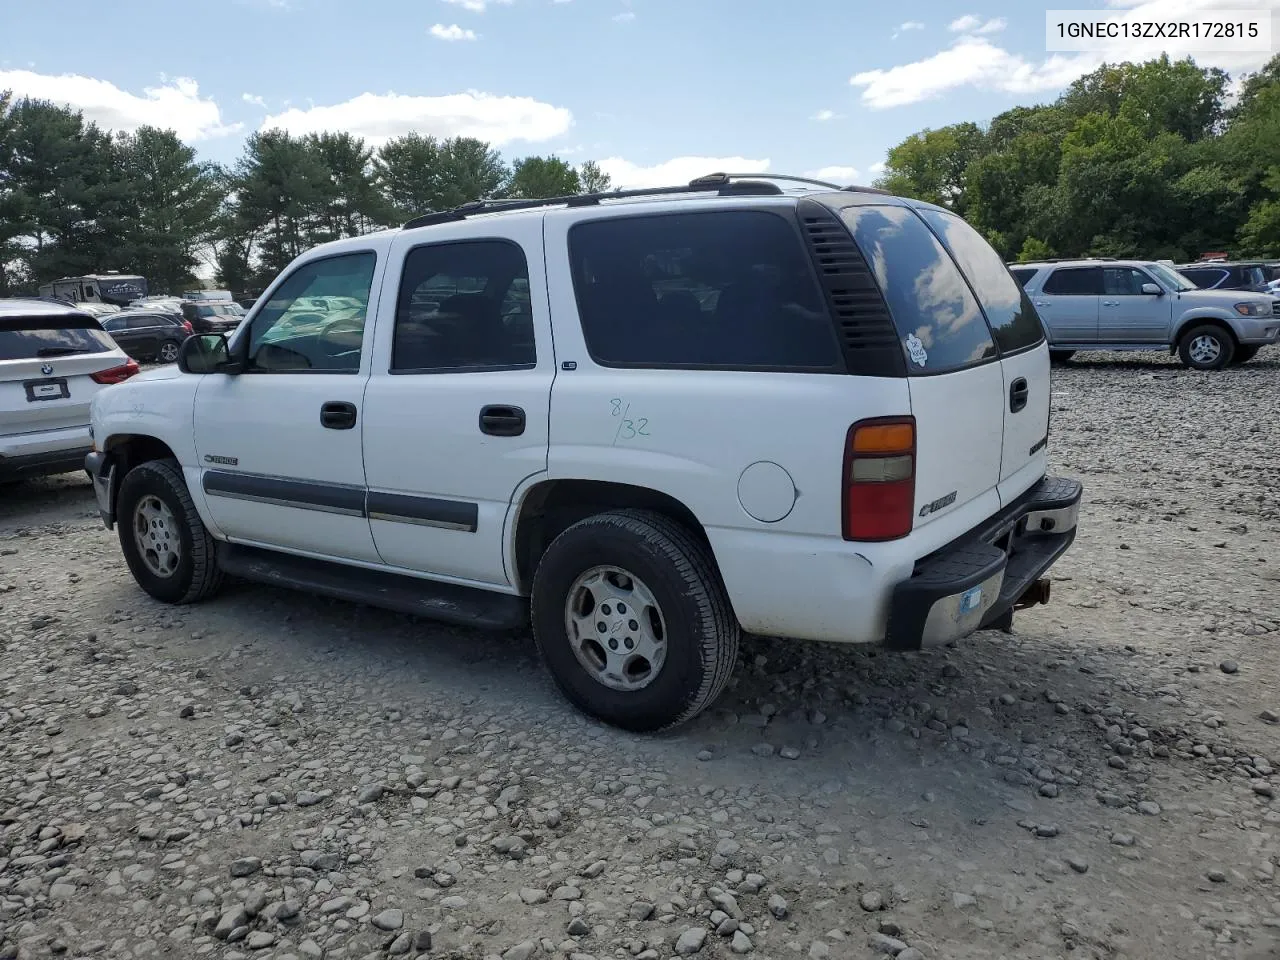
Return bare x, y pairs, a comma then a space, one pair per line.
1143, 305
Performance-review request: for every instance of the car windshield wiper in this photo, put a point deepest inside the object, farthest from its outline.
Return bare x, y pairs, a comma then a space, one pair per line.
57, 351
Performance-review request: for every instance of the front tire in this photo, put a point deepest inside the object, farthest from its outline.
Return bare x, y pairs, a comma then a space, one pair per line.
168, 352
164, 541
1206, 347
669, 640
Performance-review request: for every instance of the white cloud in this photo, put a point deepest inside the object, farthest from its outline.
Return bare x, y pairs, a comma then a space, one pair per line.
674, 172
254, 99
822, 116
974, 61
841, 175
174, 105
911, 25
625, 17
379, 117
878, 167
452, 32
477, 6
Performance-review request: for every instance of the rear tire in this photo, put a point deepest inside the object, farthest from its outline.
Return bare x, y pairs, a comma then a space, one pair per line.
1060, 356
164, 541
1244, 354
1206, 347
168, 352
673, 603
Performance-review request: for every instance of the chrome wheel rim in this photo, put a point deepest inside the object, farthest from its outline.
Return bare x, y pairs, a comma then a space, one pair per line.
155, 532
168, 352
1205, 349
616, 628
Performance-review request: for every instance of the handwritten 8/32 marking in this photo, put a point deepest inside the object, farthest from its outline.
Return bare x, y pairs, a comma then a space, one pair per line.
628, 428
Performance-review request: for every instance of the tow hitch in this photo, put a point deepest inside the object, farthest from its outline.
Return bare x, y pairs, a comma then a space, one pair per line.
1035, 594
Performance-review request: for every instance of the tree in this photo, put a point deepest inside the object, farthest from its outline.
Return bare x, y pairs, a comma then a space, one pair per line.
931, 165
175, 199
1260, 235
280, 191
1034, 249
1159, 96
592, 179
535, 178
349, 201
420, 174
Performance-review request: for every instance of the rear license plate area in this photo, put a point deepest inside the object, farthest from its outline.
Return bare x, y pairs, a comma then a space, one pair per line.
54, 388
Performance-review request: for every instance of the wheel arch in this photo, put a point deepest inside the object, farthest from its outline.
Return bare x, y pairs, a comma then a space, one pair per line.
125, 451
1202, 320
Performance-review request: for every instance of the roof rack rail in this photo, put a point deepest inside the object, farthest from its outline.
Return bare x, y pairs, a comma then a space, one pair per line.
725, 184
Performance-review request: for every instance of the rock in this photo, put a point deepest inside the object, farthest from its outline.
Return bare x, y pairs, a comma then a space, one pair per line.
641, 910
1046, 831
389, 920
741, 943
126, 688
871, 901
911, 953
371, 794
245, 866
778, 907
400, 945
962, 901
691, 941
789, 753
521, 951
882, 943
1078, 865
567, 893
578, 927
1269, 716
1263, 789
1123, 839
1229, 666
818, 950
233, 919
422, 941
260, 940
1216, 875
1149, 808
254, 902
308, 798
533, 896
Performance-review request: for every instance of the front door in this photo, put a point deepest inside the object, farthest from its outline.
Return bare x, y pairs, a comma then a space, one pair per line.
1068, 304
1126, 314
279, 445
456, 411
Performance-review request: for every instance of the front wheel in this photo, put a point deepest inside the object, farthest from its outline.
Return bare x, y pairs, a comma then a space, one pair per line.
169, 351
164, 541
1244, 354
632, 619
1206, 348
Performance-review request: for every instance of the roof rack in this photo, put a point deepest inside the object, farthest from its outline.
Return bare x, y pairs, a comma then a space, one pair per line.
725, 184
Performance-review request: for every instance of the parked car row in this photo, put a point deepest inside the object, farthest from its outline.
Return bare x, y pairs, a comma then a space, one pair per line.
1107, 304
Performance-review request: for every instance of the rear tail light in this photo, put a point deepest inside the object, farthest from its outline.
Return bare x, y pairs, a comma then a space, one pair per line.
116, 374
186, 325
880, 479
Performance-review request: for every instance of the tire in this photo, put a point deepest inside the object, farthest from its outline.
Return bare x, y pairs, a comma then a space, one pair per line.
168, 352
698, 629
1196, 352
1244, 354
1060, 356
192, 573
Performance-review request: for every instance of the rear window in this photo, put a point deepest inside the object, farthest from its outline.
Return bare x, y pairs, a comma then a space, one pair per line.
39, 337
1023, 274
938, 320
727, 289
1012, 318
1075, 282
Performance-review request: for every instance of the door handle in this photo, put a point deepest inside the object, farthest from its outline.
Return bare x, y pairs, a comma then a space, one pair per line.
1111, 303
501, 420
338, 415
1019, 392
1042, 303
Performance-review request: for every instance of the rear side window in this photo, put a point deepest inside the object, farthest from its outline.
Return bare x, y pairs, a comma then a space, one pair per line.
464, 306
1012, 318
1023, 275
938, 320
729, 289
1203, 278
1075, 282
36, 338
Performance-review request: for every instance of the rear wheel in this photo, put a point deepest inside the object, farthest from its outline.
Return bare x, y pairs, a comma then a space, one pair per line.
1244, 354
1061, 356
168, 351
1206, 348
632, 620
164, 541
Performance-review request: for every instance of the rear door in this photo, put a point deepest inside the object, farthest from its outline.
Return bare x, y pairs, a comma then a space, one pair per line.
955, 377
1024, 352
1068, 304
46, 367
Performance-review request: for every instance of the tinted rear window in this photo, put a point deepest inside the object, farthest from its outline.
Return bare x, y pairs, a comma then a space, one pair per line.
36, 338
1023, 274
938, 320
1075, 282
1203, 278
727, 289
1012, 318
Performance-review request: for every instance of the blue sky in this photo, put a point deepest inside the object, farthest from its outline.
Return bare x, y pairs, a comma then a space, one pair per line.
656, 89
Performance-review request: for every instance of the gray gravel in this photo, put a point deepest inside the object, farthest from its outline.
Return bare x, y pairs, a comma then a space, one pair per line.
274, 776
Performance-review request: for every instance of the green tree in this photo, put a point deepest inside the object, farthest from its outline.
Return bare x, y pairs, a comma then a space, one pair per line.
279, 189
592, 179
931, 165
1260, 235
1159, 96
535, 178
350, 203
420, 174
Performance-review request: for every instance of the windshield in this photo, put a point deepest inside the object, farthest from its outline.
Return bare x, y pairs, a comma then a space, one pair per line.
1171, 277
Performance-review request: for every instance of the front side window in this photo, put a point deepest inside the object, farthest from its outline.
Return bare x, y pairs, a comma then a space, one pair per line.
289, 337
938, 320
1172, 278
1074, 282
1123, 282
464, 306
729, 289
1012, 318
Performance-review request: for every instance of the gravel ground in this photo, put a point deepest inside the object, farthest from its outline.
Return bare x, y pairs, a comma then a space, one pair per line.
274, 776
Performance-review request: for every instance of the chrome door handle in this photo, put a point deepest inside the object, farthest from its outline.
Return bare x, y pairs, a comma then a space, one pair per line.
1111, 303
1042, 303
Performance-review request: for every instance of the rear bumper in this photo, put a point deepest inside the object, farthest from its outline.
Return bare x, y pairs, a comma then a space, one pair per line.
43, 453
975, 580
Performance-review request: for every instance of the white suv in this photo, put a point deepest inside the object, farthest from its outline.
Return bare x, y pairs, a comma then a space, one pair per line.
54, 358
646, 419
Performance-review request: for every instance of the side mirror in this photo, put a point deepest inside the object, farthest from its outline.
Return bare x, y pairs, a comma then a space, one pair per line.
206, 353
1152, 290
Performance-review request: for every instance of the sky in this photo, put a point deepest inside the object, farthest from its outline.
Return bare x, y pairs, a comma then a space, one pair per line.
656, 91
